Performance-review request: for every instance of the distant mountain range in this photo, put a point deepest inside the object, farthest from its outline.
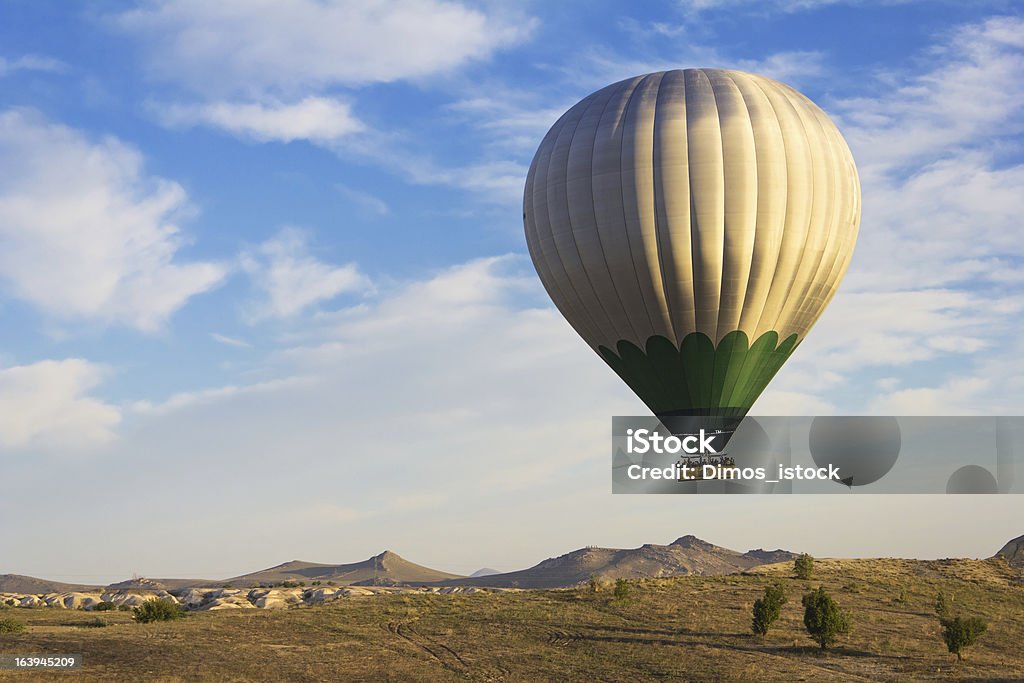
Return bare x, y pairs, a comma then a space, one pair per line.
687, 555
684, 556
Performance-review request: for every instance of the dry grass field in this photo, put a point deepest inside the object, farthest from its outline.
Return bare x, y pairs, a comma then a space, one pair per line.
686, 629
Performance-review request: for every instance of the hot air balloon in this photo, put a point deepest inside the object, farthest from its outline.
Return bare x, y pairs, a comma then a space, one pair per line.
691, 226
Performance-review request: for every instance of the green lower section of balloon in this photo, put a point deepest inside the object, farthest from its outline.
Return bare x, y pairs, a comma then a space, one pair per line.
696, 378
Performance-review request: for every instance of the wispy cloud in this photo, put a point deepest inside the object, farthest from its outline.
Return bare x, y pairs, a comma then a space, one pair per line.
248, 47
215, 395
367, 202
955, 396
784, 6
934, 150
316, 119
514, 121
271, 72
85, 233
967, 95
291, 280
47, 404
38, 63
230, 341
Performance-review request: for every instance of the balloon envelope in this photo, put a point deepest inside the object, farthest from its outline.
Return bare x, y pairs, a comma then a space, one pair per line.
692, 226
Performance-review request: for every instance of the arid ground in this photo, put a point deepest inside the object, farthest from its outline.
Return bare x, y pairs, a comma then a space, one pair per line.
685, 628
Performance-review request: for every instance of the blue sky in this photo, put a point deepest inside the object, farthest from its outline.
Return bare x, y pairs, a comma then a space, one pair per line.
240, 242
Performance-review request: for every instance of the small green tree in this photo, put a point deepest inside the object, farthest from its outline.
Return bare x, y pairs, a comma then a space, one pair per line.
942, 605
960, 633
768, 608
804, 567
104, 606
823, 618
623, 591
157, 609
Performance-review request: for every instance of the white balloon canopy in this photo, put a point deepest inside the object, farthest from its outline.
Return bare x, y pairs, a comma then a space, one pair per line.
692, 226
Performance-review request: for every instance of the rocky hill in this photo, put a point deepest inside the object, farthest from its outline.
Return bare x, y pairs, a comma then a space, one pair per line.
146, 584
16, 583
387, 568
684, 556
1013, 553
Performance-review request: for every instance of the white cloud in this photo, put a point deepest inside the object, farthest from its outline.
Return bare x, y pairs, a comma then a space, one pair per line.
867, 331
204, 397
31, 63
458, 364
369, 203
329, 123
967, 95
317, 119
958, 217
957, 396
496, 178
46, 404
230, 341
777, 401
271, 69
292, 280
462, 296
252, 46
499, 181
514, 121
601, 66
786, 6
85, 233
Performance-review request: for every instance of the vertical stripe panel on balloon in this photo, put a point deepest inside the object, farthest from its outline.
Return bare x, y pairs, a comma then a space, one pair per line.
672, 204
848, 208
568, 301
809, 308
830, 272
739, 175
707, 199
536, 256
582, 210
799, 196
772, 177
637, 175
817, 235
609, 211
561, 229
